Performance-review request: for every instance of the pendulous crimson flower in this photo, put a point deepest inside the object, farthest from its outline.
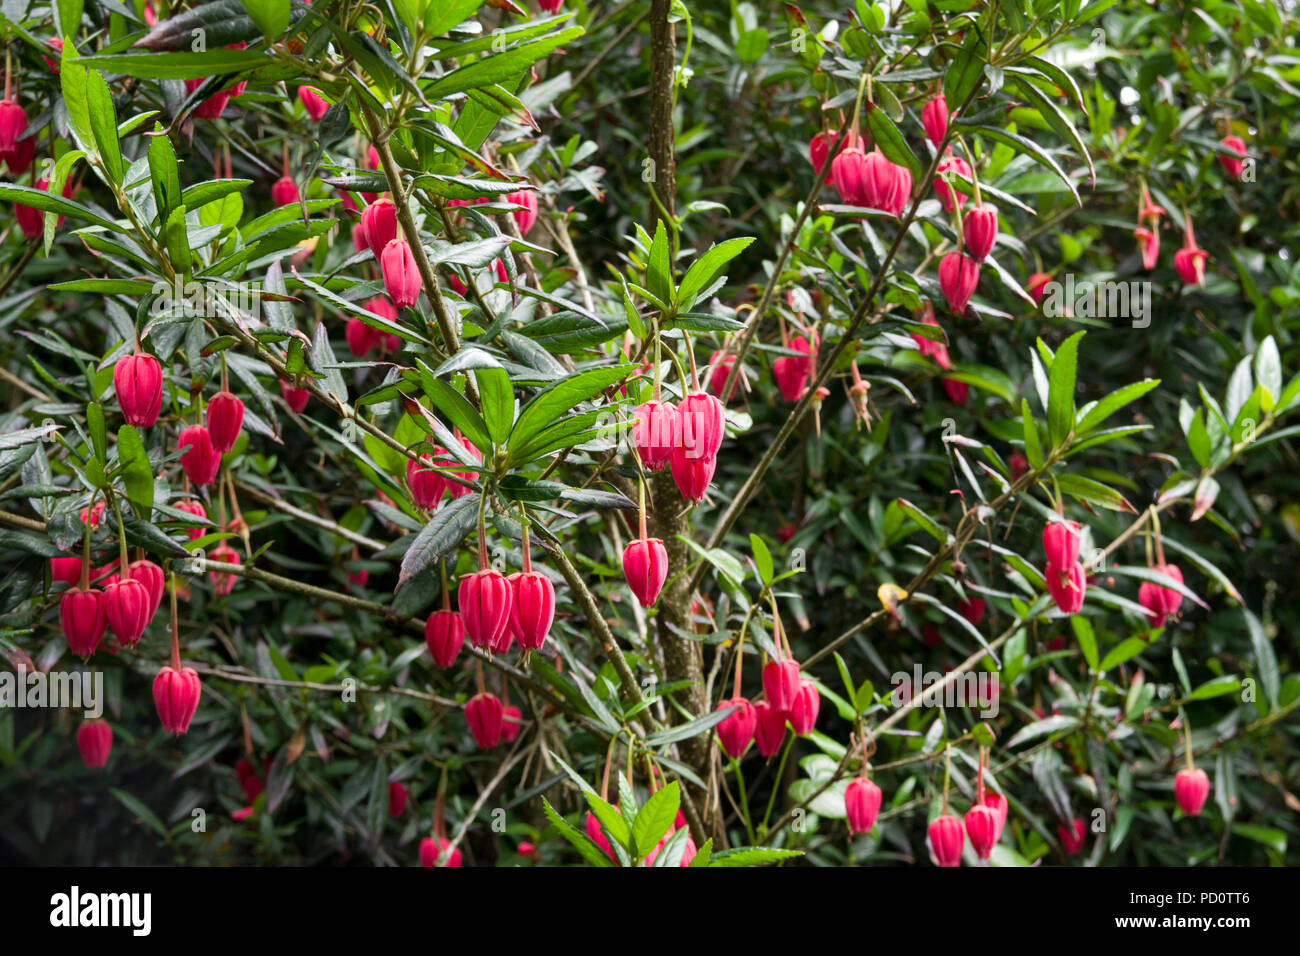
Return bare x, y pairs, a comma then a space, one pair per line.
427, 484
656, 433
485, 599
946, 838
532, 611
980, 231
315, 104
95, 741
862, 804
225, 417
781, 683
1191, 789
951, 195
804, 709
1073, 836
934, 117
444, 633
81, 613
769, 728
1233, 165
736, 731
958, 276
379, 224
401, 276
202, 461
432, 848
127, 609
176, 693
484, 714
983, 829
284, 191
645, 566
137, 379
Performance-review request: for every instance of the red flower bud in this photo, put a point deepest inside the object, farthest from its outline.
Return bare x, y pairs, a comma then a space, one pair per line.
550, 6
225, 419
952, 195
934, 117
957, 390
13, 123
1061, 542
284, 191
958, 276
511, 722
484, 714
427, 485
176, 696
379, 224
190, 506
980, 231
401, 277
781, 683
656, 433
1074, 837
223, 583
532, 610
972, 610
737, 730
485, 601
81, 613
397, 795
1191, 789
1190, 263
431, 848
596, 833
1037, 285
1149, 243
524, 218
791, 371
202, 461
999, 805
32, 221
361, 337
1018, 464
138, 381
1231, 165
803, 711
703, 425
946, 839
692, 475
67, 570
983, 828
862, 804
444, 632
95, 741
721, 364
821, 145
313, 102
127, 606
645, 565
295, 398
769, 729
848, 174
19, 159
884, 185
151, 576
1068, 587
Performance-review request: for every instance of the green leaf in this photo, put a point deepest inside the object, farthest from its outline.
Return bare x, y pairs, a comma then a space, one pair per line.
1266, 669
103, 123
654, 818
98, 435
581, 842
152, 538
271, 16
687, 730
1033, 447
497, 397
52, 202
444, 531
923, 520
1022, 145
559, 398
442, 15
659, 271
1218, 687
146, 815
499, 68
457, 410
706, 269
1093, 415
137, 473
1268, 372
752, 856
183, 66
1087, 641
1060, 395
615, 826
1094, 492
164, 173
762, 558
891, 141
965, 72
1122, 652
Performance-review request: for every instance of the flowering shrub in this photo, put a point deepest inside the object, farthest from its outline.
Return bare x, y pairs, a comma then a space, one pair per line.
670, 433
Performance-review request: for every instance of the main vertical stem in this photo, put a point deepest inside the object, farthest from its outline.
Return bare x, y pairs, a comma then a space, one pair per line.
668, 517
